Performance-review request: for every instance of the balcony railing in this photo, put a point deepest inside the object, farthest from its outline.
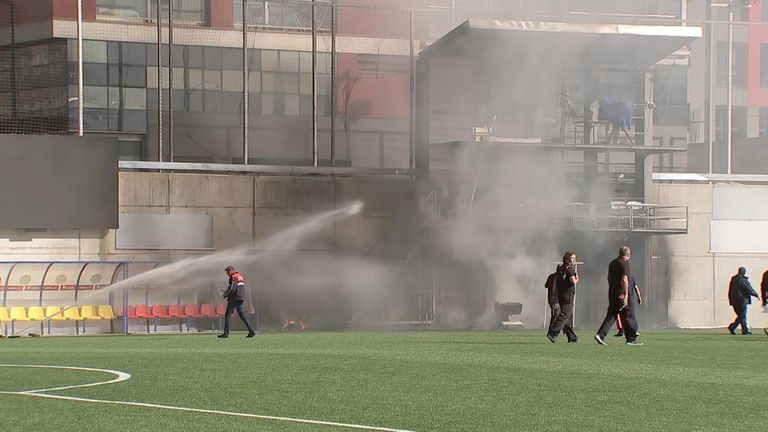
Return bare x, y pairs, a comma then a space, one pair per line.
623, 217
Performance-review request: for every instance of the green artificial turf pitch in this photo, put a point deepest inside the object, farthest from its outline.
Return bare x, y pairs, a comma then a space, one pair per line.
418, 381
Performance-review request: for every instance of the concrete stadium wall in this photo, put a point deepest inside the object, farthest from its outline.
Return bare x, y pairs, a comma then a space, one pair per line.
243, 208
695, 267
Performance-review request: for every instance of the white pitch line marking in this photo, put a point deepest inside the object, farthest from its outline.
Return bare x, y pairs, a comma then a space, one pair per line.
122, 376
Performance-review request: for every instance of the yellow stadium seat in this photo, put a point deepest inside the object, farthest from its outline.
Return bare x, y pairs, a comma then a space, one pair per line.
71, 313
4, 317
36, 313
54, 313
18, 313
88, 312
106, 312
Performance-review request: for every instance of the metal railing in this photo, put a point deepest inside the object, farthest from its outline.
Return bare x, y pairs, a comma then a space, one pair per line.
623, 217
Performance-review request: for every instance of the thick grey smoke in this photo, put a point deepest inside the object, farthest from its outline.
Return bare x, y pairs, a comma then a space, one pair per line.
507, 199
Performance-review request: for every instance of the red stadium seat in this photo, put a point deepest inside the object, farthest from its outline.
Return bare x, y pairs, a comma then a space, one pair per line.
143, 312
159, 311
176, 311
221, 309
208, 311
131, 312
190, 310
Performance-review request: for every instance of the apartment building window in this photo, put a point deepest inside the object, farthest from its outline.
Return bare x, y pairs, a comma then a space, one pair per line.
291, 14
764, 12
764, 65
763, 131
670, 93
114, 85
121, 9
189, 11
739, 122
739, 68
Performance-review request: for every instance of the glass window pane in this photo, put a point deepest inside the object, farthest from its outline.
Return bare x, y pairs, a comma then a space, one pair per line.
268, 104
195, 99
292, 105
178, 56
231, 102
121, 9
305, 84
254, 81
233, 81
213, 59
113, 75
289, 61
96, 119
195, 55
113, 120
254, 59
71, 50
113, 52
306, 105
269, 60
94, 97
134, 76
178, 78
114, 97
134, 53
306, 61
152, 76
212, 79
290, 83
212, 101
233, 58
269, 82
134, 98
323, 84
95, 74
196, 79
134, 121
93, 51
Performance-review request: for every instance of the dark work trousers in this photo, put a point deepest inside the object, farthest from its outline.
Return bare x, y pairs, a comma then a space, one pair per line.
632, 312
627, 319
555, 308
231, 306
741, 318
564, 320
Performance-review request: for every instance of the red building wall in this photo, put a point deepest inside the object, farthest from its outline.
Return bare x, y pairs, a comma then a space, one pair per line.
222, 14
758, 35
67, 9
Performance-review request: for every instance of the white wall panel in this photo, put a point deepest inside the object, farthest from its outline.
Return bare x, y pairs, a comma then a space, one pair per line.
739, 236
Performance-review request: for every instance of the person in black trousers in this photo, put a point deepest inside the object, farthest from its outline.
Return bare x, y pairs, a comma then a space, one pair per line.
566, 281
235, 295
618, 300
635, 300
740, 293
764, 288
551, 286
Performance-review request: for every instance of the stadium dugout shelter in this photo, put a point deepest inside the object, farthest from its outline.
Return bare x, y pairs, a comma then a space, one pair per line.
77, 297
491, 91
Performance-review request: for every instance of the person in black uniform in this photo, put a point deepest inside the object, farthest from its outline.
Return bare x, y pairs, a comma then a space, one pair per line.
635, 300
235, 295
551, 286
618, 300
764, 288
740, 293
566, 281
